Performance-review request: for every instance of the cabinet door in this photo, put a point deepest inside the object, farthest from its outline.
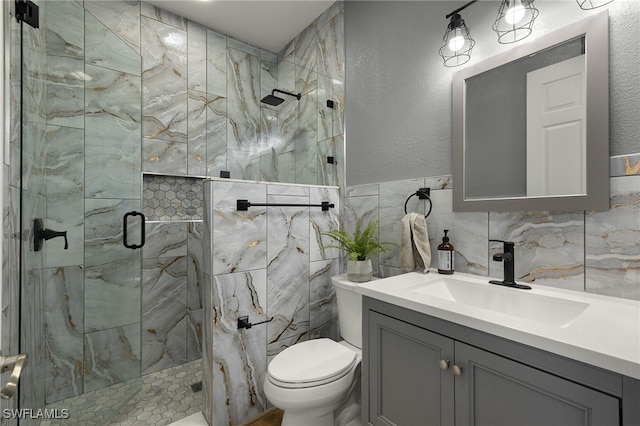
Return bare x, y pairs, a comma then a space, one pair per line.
496, 391
407, 386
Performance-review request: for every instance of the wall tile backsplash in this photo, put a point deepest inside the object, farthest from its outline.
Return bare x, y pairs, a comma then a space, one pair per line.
594, 251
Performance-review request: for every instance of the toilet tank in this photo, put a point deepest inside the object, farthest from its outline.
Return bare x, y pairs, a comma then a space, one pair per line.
349, 310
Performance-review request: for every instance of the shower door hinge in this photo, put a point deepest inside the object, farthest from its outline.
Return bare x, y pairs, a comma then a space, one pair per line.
28, 12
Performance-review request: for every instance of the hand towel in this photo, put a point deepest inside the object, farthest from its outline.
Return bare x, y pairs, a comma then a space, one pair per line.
415, 250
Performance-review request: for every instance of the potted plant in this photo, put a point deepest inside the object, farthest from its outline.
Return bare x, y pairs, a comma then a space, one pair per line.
360, 246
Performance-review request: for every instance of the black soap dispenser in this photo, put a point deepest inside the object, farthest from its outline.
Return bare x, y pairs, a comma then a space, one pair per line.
446, 255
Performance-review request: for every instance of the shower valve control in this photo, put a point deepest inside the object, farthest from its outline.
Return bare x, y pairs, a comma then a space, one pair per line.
42, 234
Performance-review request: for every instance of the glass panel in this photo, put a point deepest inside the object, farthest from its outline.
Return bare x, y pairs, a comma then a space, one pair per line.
80, 144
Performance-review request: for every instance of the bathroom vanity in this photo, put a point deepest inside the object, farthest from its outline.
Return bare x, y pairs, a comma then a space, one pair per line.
435, 353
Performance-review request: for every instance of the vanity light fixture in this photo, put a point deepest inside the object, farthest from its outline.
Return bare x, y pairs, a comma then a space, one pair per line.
592, 4
457, 42
515, 20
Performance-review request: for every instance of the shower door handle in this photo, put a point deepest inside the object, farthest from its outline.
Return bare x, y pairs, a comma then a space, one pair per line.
125, 222
15, 363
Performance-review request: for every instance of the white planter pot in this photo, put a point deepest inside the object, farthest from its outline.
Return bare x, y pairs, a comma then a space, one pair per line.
359, 271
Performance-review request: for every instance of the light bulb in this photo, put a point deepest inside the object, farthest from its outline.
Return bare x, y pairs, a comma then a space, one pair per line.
457, 41
515, 13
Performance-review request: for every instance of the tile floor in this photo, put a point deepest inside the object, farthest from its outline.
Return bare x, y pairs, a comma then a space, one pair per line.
159, 398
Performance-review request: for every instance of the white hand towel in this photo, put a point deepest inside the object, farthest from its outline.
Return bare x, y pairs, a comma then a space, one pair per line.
415, 250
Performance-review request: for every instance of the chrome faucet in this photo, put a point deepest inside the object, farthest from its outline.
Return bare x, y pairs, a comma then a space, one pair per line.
507, 257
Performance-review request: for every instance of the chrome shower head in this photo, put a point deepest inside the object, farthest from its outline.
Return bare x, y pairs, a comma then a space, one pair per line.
275, 100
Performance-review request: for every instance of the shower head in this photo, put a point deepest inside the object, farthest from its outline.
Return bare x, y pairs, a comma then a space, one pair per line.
275, 100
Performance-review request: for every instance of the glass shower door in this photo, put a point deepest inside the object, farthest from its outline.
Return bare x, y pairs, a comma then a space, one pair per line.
80, 292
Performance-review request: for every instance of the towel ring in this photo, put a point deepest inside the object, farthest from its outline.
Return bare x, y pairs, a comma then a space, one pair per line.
423, 194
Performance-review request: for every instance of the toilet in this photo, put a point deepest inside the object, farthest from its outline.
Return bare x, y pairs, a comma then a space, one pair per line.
309, 380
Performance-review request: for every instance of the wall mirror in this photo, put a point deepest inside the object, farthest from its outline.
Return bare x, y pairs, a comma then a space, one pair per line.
531, 125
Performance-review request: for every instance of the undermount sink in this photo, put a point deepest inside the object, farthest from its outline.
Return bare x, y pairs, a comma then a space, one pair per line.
517, 303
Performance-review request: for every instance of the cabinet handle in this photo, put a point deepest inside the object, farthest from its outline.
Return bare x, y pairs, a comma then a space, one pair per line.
456, 370
443, 364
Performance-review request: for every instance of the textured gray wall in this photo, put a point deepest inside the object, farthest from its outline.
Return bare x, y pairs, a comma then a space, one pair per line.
398, 118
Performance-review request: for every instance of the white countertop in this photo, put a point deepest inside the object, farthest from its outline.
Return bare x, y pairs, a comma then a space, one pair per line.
606, 334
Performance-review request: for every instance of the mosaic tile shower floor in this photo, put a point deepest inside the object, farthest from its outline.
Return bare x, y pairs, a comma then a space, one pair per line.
163, 398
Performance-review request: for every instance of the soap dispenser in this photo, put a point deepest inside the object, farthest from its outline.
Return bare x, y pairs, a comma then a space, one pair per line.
446, 255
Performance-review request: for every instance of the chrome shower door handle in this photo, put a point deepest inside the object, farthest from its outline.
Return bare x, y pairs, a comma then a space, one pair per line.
15, 363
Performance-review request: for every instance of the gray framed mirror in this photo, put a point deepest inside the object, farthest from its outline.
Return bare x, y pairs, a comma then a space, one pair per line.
531, 125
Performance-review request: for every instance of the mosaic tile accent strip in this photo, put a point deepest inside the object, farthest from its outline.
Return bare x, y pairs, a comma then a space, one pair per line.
172, 198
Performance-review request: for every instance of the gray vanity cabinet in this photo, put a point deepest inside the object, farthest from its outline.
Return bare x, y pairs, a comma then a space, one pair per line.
411, 377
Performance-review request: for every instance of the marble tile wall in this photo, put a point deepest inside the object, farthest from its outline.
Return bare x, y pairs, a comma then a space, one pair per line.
593, 251
267, 262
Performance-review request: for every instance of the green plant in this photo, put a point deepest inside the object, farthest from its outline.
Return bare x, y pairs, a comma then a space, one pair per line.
362, 243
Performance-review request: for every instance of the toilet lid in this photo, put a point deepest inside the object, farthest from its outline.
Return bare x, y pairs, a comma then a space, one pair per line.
312, 361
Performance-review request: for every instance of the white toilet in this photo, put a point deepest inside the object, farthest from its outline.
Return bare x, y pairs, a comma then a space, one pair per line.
309, 380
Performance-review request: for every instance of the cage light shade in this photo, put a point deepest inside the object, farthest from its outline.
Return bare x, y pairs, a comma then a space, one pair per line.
592, 4
456, 43
515, 20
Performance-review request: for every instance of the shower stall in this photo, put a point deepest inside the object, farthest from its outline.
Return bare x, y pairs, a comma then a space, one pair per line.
119, 111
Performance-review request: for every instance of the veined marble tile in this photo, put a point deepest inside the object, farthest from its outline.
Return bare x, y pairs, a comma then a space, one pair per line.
239, 237
275, 348
112, 123
321, 222
624, 165
329, 13
268, 80
164, 321
439, 182
112, 295
323, 305
286, 165
244, 164
340, 165
393, 196
305, 48
197, 131
64, 30
216, 134
613, 242
103, 230
65, 194
122, 17
106, 49
239, 356
243, 100
111, 356
63, 315
270, 57
549, 246
331, 48
362, 190
195, 286
162, 156
208, 386
249, 49
306, 156
32, 339
287, 268
65, 91
269, 166
163, 16
196, 57
165, 239
164, 79
468, 232
216, 64
287, 52
290, 190
354, 208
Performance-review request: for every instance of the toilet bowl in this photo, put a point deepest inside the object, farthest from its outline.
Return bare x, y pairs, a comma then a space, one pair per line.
310, 379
